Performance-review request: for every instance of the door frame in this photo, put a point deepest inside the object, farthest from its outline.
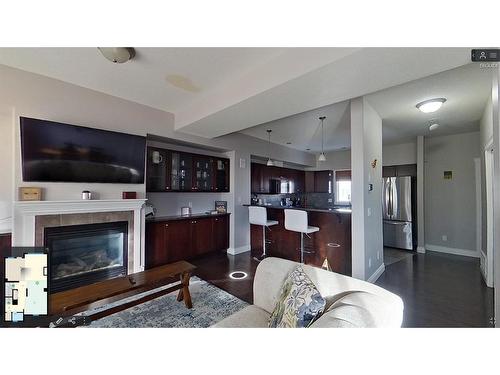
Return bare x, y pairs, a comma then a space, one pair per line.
490, 240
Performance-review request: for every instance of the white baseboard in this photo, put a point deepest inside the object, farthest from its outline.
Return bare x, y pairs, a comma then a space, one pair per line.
421, 249
238, 250
454, 251
374, 277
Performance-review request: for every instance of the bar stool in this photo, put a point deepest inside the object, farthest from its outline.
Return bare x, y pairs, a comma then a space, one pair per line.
258, 216
296, 221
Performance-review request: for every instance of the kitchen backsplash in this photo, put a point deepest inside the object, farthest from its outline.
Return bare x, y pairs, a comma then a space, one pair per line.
312, 200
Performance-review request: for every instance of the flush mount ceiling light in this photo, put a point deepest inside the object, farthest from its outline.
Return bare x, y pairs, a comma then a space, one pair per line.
269, 161
117, 55
322, 156
431, 105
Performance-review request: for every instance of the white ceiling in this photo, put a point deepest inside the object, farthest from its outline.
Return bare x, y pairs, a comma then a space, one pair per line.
303, 131
231, 89
466, 90
143, 79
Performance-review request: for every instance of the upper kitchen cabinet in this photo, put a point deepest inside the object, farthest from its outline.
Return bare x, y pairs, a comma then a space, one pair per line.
400, 170
319, 181
264, 179
177, 171
221, 175
158, 161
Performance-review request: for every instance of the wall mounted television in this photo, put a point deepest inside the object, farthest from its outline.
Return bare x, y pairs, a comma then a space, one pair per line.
57, 152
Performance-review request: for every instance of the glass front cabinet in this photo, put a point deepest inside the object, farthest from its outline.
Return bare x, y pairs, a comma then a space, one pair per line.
169, 170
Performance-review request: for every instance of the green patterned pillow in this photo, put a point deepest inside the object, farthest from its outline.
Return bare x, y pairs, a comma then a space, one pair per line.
299, 304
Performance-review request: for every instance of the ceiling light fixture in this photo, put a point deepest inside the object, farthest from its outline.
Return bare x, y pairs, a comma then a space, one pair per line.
117, 55
322, 156
431, 105
269, 161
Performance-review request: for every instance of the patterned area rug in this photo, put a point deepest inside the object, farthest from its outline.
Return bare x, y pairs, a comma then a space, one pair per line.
210, 305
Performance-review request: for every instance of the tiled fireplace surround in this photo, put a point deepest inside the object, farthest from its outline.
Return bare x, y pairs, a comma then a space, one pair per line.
31, 219
45, 221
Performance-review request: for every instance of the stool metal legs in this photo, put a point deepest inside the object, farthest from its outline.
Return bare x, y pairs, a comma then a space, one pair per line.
302, 250
264, 241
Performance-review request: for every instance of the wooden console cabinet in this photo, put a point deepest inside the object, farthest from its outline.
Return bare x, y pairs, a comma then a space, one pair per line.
183, 238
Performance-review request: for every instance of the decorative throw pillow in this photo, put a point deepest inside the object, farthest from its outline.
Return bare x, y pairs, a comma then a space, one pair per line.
299, 304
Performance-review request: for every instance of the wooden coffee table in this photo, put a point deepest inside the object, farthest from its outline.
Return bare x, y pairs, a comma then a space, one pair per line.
87, 297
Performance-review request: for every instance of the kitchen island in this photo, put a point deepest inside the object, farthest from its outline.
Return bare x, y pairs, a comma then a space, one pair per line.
331, 246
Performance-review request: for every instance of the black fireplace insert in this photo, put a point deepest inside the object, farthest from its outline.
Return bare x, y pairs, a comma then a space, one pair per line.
84, 254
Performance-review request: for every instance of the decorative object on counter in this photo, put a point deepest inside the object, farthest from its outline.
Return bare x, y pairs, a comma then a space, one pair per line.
185, 211
129, 195
86, 195
221, 207
30, 194
156, 157
322, 156
269, 161
213, 212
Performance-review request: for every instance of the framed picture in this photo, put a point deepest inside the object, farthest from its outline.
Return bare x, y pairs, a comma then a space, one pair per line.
221, 207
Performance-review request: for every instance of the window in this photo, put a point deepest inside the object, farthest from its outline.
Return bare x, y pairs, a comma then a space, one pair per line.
343, 187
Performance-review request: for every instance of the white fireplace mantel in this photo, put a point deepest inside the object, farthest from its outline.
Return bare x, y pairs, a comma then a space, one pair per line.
23, 233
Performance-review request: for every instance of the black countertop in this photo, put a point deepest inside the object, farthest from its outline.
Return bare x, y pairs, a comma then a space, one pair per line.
183, 217
334, 210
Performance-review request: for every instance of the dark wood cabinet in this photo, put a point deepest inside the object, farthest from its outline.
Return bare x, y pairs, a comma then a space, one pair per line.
221, 175
175, 171
309, 181
171, 240
400, 170
323, 181
220, 232
262, 174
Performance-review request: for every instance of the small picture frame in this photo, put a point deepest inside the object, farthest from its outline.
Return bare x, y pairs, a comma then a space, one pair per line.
30, 193
221, 207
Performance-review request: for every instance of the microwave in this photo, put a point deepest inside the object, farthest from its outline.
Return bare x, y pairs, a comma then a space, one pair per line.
278, 186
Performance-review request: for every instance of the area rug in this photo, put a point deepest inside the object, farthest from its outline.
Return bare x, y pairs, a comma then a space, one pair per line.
210, 305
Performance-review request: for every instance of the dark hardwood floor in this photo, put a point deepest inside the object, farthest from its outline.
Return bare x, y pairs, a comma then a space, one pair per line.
438, 290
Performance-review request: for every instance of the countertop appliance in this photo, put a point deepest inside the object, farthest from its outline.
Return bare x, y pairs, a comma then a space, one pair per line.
397, 212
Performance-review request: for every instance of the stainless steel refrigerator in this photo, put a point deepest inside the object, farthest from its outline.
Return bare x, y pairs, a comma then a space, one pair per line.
397, 212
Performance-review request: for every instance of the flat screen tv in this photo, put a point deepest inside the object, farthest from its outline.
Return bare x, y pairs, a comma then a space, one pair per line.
56, 152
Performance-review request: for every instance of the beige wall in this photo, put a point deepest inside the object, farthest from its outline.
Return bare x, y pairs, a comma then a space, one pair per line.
28, 94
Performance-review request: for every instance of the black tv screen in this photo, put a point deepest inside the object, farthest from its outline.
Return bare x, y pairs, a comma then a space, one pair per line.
56, 152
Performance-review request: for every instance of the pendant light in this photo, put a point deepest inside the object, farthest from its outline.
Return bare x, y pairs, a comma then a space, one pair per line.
322, 156
269, 161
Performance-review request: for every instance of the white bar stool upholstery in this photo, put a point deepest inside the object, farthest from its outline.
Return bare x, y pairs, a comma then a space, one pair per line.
258, 216
296, 221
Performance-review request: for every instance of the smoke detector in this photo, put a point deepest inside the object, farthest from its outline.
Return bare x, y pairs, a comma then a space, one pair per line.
117, 55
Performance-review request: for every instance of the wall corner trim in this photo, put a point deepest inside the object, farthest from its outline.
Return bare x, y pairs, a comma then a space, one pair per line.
379, 271
238, 250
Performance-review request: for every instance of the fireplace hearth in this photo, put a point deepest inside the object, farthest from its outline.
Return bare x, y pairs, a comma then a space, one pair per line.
85, 254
